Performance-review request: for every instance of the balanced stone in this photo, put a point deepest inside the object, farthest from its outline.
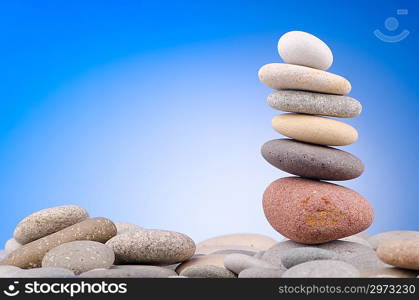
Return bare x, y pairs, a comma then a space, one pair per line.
322, 269
207, 271
238, 262
292, 257
79, 256
313, 212
302, 48
312, 161
256, 272
31, 255
50, 272
11, 245
315, 129
292, 77
400, 253
48, 221
152, 246
140, 271
235, 241
315, 103
377, 239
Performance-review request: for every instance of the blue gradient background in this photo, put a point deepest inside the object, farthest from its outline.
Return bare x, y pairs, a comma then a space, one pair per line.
152, 112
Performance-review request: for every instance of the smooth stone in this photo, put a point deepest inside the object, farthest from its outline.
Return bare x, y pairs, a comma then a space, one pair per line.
238, 262
313, 212
44, 273
152, 247
315, 103
315, 129
292, 77
259, 254
7, 271
400, 253
312, 161
139, 271
293, 257
322, 269
11, 245
123, 227
356, 239
304, 49
210, 259
377, 239
261, 273
31, 255
231, 251
48, 221
207, 271
79, 256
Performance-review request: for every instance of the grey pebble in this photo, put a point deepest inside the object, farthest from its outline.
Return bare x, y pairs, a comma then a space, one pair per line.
238, 262
44, 273
261, 273
322, 269
207, 271
292, 257
140, 271
6, 271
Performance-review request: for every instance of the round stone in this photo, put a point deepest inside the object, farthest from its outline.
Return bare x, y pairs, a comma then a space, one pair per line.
400, 253
261, 273
44, 273
302, 48
312, 161
293, 257
152, 247
292, 77
207, 271
48, 221
377, 239
31, 255
322, 269
315, 103
11, 245
238, 262
313, 212
139, 271
8, 271
79, 256
315, 129
123, 227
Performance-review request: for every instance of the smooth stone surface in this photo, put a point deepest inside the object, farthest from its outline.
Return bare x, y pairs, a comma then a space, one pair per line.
31, 255
322, 269
292, 77
44, 273
356, 239
315, 129
140, 271
313, 212
231, 251
293, 257
152, 247
312, 161
400, 253
305, 49
259, 254
79, 256
207, 271
377, 239
211, 259
123, 227
238, 262
11, 245
8, 271
315, 103
261, 273
48, 221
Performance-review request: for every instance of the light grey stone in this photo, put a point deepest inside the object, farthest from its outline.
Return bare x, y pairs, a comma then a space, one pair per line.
139, 271
322, 269
292, 257
237, 262
44, 273
207, 271
256, 272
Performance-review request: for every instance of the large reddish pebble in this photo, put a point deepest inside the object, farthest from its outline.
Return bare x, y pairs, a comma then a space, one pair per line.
312, 212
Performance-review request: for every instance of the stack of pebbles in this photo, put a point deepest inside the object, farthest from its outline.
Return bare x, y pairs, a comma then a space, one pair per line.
307, 209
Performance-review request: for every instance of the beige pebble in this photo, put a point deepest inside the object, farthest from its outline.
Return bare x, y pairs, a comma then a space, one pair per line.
211, 259
400, 253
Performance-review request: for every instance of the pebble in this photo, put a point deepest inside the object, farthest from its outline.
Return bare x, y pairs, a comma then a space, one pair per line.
322, 269
207, 271
313, 212
44, 273
7, 271
123, 227
261, 273
48, 221
11, 245
238, 262
400, 253
292, 257
305, 49
315, 129
356, 239
245, 241
292, 77
140, 271
152, 247
213, 249
377, 239
79, 256
211, 259
312, 161
315, 103
31, 255
231, 251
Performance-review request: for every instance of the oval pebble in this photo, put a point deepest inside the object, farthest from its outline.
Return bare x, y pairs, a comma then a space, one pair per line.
44, 273
140, 271
295, 256
400, 253
313, 212
244, 241
312, 161
377, 239
238, 262
48, 221
322, 269
305, 49
11, 245
292, 77
207, 271
261, 273
315, 129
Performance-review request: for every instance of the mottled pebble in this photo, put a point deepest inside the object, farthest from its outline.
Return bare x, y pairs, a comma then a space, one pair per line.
400, 253
207, 271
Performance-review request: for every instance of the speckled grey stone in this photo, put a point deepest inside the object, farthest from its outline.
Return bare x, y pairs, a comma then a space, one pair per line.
152, 247
48, 221
139, 271
123, 227
207, 271
31, 255
261, 273
238, 262
44, 273
292, 257
312, 161
11, 245
231, 251
322, 269
79, 256
315, 103
7, 271
377, 239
